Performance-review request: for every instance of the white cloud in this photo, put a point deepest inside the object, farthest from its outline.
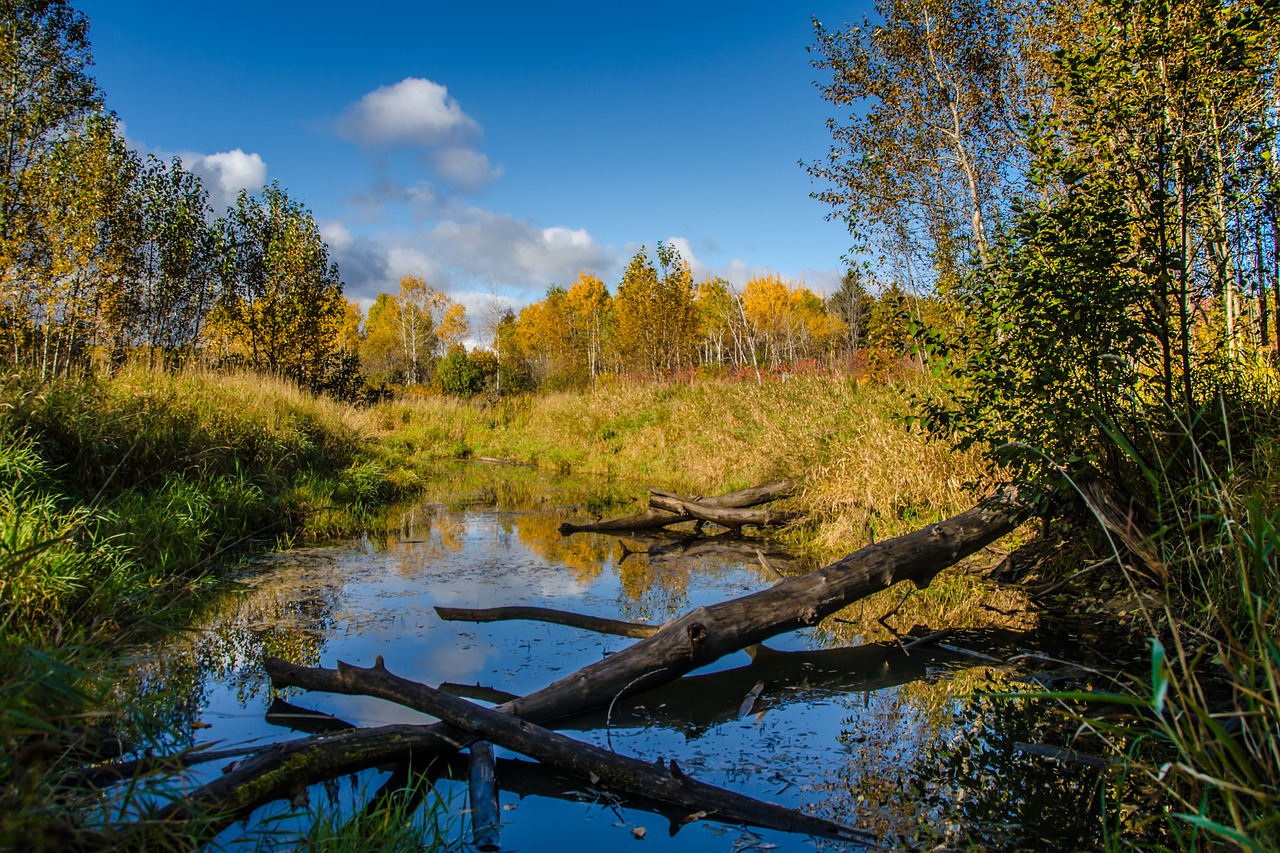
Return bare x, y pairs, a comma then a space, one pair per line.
408, 260
478, 255
491, 247
362, 262
414, 111
465, 168
699, 269
226, 173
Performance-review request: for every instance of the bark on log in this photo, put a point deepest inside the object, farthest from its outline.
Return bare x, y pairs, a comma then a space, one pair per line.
724, 516
526, 778
629, 775
660, 518
482, 790
546, 614
708, 633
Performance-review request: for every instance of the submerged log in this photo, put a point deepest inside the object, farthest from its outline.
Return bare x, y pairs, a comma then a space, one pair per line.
628, 775
482, 791
655, 518
724, 516
547, 614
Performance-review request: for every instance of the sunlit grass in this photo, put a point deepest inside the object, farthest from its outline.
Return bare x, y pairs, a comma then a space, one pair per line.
864, 475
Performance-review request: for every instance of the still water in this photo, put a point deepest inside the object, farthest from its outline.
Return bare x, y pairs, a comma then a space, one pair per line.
901, 743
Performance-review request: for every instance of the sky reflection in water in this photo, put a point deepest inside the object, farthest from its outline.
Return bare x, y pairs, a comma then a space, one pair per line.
827, 726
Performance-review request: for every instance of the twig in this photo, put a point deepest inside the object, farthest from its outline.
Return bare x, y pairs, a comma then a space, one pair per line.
1054, 587
929, 638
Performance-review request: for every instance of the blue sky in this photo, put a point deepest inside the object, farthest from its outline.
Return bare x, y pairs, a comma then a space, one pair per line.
495, 148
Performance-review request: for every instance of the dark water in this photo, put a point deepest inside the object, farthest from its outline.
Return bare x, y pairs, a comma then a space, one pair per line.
897, 742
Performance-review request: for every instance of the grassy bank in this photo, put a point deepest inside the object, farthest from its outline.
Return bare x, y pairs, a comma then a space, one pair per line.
124, 494
864, 475
121, 502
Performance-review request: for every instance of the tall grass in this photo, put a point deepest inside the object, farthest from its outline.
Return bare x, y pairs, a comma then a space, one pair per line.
121, 500
864, 475
1207, 740
1196, 740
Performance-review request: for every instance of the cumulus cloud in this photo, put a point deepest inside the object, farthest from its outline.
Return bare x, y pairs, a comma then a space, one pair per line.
414, 111
421, 198
477, 255
492, 247
465, 168
226, 173
362, 262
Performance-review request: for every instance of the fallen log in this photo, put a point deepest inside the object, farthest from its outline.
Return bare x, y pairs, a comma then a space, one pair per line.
666, 783
492, 460
654, 518
694, 640
547, 614
708, 633
723, 516
526, 778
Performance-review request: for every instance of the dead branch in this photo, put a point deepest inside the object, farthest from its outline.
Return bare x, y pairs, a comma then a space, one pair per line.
547, 614
699, 637
724, 516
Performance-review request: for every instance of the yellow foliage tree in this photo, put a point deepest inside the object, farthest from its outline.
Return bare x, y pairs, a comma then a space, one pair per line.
655, 324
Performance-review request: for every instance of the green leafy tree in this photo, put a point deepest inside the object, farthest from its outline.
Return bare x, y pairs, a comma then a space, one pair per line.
281, 304
48, 96
1104, 325
177, 262
926, 156
459, 375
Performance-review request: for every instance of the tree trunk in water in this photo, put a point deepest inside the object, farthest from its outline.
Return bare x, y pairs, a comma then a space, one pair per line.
667, 784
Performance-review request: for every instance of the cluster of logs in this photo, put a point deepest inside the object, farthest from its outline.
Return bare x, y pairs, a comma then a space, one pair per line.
661, 655
732, 510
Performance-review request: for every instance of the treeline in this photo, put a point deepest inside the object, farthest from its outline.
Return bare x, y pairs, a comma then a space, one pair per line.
106, 254
659, 321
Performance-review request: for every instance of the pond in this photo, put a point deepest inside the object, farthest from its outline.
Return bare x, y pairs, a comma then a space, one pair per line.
906, 743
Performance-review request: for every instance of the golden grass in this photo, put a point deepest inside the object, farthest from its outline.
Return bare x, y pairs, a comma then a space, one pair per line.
864, 475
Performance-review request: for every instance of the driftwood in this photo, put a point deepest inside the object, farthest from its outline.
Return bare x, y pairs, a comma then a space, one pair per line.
547, 614
629, 775
724, 516
655, 518
699, 637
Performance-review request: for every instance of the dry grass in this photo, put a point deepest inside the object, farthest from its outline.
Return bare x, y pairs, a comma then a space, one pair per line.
864, 475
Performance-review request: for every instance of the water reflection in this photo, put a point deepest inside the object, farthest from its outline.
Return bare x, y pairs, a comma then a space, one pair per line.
874, 735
